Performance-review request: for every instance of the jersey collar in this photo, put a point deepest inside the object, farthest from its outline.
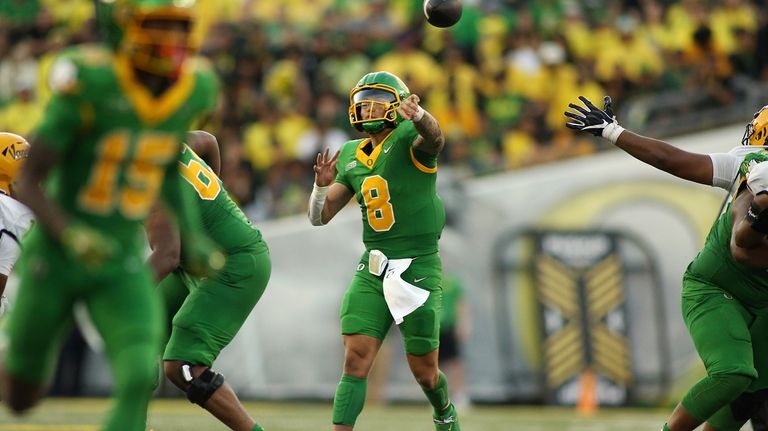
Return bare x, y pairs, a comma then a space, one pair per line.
370, 161
153, 110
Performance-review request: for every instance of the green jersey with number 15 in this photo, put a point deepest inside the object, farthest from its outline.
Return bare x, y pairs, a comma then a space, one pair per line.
395, 186
114, 139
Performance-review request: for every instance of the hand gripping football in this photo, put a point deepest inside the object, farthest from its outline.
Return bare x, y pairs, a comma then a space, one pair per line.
442, 13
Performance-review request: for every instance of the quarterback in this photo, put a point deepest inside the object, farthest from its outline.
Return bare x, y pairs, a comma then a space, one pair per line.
107, 148
725, 288
391, 174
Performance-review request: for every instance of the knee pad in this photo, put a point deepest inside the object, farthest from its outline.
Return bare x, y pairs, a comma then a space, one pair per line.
202, 387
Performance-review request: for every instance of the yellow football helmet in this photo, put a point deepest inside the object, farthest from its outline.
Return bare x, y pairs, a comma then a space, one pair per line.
757, 130
13, 150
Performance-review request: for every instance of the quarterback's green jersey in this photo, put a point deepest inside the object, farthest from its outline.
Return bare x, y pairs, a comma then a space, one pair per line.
223, 221
115, 140
716, 264
395, 186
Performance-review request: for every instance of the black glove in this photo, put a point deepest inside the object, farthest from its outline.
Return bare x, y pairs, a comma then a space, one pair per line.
594, 120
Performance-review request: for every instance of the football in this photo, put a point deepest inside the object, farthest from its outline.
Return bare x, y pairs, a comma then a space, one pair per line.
442, 13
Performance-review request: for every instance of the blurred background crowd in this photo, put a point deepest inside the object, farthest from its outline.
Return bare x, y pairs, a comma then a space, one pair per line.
497, 82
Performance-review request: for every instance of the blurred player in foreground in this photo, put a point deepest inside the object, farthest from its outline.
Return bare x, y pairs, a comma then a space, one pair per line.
725, 288
392, 175
109, 142
15, 218
207, 313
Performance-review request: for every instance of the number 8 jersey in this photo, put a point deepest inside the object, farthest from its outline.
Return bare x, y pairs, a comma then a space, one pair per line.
395, 186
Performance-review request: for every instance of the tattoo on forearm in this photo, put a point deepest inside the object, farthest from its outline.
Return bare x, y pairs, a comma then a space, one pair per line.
431, 134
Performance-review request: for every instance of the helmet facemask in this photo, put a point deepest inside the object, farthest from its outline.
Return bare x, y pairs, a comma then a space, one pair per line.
757, 130
159, 41
373, 107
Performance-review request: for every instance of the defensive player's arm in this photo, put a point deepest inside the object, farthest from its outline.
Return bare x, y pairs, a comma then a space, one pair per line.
206, 146
714, 170
689, 166
430, 139
748, 244
165, 242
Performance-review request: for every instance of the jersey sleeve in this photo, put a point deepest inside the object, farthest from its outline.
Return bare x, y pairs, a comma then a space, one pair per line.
9, 252
725, 168
419, 157
62, 115
341, 169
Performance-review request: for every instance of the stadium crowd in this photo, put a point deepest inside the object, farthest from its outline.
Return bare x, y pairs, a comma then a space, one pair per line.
497, 81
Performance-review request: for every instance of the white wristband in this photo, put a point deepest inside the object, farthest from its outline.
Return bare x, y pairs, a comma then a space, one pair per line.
419, 115
316, 202
612, 132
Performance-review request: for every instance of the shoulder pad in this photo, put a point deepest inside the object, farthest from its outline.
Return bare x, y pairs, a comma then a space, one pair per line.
65, 72
62, 78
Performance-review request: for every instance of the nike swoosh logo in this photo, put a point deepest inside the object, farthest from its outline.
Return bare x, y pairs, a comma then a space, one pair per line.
386, 150
597, 126
419, 279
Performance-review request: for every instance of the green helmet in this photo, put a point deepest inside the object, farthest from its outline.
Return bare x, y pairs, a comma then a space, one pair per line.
376, 89
154, 34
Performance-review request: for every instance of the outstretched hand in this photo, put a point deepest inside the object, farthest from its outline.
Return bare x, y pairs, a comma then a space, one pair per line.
590, 118
325, 168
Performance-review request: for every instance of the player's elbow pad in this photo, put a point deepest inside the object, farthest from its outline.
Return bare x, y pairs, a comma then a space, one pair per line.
316, 203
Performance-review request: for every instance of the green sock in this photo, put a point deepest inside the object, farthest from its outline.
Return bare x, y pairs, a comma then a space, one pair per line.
438, 396
349, 400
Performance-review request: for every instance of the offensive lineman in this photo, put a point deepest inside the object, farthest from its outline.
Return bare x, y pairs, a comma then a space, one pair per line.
207, 313
392, 175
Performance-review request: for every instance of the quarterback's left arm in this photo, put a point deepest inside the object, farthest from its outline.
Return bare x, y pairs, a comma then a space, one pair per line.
430, 139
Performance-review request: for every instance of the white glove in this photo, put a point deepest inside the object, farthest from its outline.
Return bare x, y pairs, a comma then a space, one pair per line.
5, 305
757, 177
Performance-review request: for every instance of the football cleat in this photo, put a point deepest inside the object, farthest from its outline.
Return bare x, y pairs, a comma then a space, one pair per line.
448, 421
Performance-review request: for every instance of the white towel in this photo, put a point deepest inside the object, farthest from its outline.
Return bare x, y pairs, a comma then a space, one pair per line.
402, 297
